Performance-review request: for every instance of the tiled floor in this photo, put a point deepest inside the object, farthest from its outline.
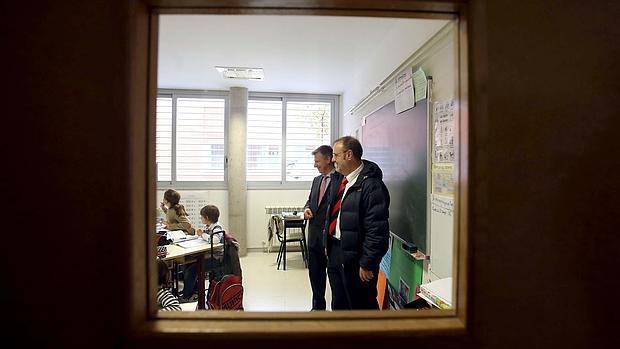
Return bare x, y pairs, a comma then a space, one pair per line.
268, 289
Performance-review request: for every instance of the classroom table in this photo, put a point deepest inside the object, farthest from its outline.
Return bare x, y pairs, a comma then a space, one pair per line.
178, 254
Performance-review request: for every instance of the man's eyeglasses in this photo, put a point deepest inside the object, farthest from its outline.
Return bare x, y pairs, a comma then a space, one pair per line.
338, 154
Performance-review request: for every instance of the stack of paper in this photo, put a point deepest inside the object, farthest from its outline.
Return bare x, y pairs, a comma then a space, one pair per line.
438, 293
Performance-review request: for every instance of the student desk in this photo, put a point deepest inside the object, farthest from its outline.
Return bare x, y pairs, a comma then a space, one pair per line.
290, 223
178, 254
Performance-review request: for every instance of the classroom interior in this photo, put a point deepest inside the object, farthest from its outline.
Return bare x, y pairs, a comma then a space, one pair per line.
324, 77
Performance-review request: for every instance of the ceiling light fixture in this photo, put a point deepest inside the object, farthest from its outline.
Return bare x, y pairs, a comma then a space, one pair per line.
241, 73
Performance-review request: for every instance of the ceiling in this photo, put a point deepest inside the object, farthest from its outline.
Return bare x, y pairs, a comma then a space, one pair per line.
299, 54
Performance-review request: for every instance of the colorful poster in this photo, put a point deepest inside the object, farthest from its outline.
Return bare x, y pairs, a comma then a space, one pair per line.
443, 179
386, 261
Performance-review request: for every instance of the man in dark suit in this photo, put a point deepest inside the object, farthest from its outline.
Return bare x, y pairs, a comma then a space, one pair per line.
315, 211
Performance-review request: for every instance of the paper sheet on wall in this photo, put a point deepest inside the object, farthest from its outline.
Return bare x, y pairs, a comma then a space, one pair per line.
419, 84
404, 94
442, 205
443, 179
443, 131
193, 204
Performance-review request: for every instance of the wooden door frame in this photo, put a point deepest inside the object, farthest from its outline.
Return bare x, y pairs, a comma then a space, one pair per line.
213, 324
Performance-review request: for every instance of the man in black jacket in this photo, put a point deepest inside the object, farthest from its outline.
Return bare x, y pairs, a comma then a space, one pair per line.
357, 230
316, 212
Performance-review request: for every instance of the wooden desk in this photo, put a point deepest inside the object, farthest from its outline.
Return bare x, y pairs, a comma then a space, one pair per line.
178, 254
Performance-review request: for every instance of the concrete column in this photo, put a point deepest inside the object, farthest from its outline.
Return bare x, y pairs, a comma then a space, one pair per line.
237, 187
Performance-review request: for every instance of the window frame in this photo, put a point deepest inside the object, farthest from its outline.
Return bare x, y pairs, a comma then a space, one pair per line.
217, 326
188, 93
334, 100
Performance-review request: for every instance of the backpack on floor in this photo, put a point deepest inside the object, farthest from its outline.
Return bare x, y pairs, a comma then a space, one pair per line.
225, 294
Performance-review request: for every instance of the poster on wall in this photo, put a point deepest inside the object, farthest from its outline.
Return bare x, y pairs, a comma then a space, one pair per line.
419, 85
443, 131
404, 94
443, 179
193, 203
442, 205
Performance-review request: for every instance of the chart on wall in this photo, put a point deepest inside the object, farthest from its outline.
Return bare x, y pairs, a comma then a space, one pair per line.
193, 203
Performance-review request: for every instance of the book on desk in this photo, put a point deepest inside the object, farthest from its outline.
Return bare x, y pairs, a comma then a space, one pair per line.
438, 293
179, 235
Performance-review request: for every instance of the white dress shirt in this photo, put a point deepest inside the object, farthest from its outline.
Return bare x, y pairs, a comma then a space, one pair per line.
351, 178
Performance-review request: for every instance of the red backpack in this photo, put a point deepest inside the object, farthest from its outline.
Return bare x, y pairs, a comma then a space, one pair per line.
225, 294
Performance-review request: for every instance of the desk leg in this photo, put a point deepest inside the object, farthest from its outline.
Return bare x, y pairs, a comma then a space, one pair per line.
201, 283
175, 278
284, 252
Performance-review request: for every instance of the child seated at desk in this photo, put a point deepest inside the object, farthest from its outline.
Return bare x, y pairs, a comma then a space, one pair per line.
209, 215
176, 216
165, 299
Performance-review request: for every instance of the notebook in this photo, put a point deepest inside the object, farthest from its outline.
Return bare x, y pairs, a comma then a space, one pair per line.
179, 235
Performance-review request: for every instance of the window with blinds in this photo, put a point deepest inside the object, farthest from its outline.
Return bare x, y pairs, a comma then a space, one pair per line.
189, 141
264, 140
200, 139
308, 126
163, 139
274, 158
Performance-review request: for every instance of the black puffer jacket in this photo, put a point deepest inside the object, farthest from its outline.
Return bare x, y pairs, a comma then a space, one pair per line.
364, 228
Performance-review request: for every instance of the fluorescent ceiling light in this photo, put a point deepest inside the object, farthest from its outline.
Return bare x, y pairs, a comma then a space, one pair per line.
242, 73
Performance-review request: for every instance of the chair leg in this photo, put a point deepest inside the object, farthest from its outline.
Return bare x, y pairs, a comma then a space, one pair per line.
280, 252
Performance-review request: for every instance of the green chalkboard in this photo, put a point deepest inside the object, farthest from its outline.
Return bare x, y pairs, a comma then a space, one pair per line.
398, 143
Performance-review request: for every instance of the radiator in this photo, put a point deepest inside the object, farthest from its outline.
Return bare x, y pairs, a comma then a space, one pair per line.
269, 210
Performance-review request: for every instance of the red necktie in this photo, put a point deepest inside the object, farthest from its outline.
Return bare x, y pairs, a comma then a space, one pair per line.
322, 189
333, 217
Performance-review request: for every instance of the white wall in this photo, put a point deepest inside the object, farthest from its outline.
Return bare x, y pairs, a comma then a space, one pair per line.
438, 59
257, 218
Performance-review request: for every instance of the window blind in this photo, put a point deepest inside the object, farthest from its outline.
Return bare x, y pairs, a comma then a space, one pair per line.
308, 126
264, 140
163, 139
200, 139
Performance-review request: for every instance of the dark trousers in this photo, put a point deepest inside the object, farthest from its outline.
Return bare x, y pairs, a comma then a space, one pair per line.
348, 290
317, 265
190, 272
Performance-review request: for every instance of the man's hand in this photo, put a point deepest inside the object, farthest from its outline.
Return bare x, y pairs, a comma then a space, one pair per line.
308, 213
366, 275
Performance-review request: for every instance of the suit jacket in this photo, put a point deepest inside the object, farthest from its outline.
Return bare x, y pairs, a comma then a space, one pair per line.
316, 224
